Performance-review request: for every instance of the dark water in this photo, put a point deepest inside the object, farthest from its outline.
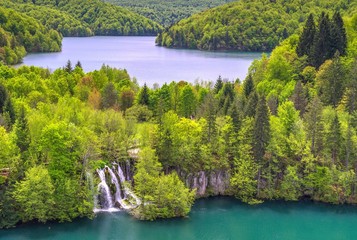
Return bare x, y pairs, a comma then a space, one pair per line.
145, 61
214, 218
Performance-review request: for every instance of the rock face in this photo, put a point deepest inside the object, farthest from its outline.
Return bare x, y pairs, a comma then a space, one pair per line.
207, 183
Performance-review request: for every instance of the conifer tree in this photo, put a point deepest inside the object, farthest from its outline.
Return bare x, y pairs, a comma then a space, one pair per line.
299, 98
338, 35
219, 85
333, 139
250, 107
261, 133
307, 37
248, 86
144, 96
322, 42
22, 131
314, 127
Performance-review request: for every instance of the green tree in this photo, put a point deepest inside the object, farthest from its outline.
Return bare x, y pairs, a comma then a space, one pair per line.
322, 41
331, 81
291, 185
333, 139
164, 196
338, 35
109, 96
245, 169
187, 102
144, 96
35, 195
314, 125
307, 37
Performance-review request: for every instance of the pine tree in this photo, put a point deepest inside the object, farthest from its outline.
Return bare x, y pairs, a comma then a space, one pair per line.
79, 64
322, 42
22, 131
248, 86
299, 98
250, 107
218, 86
314, 127
261, 133
307, 37
331, 81
68, 68
333, 139
144, 96
338, 35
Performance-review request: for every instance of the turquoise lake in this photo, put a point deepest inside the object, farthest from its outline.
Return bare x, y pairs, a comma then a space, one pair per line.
210, 219
145, 61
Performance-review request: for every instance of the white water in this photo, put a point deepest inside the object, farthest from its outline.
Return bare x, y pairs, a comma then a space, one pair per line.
118, 197
124, 202
127, 191
104, 186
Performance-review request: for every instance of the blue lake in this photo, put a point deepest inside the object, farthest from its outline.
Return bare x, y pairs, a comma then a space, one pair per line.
210, 219
145, 61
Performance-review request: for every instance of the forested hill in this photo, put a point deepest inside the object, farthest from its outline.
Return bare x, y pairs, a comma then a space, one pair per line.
52, 18
170, 11
102, 18
20, 34
247, 25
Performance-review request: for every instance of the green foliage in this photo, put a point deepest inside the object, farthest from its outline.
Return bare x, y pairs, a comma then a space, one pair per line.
52, 18
272, 135
35, 195
21, 33
102, 18
245, 25
164, 196
168, 12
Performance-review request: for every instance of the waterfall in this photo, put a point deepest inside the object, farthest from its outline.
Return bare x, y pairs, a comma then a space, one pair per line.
103, 186
125, 201
118, 197
127, 191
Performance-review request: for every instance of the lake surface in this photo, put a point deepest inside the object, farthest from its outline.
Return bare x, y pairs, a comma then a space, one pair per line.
210, 219
145, 61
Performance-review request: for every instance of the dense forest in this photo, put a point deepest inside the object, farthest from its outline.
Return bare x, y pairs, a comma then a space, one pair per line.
246, 25
52, 18
20, 34
287, 132
38, 26
168, 12
102, 18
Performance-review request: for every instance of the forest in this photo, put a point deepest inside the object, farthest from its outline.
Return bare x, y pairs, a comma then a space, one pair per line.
246, 25
38, 26
102, 18
20, 34
168, 12
287, 132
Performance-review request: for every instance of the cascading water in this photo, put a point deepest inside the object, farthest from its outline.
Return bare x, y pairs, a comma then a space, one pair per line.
127, 191
122, 179
103, 187
118, 197
126, 201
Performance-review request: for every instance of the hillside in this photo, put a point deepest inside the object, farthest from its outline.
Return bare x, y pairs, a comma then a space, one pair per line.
51, 18
257, 25
102, 18
20, 34
168, 12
